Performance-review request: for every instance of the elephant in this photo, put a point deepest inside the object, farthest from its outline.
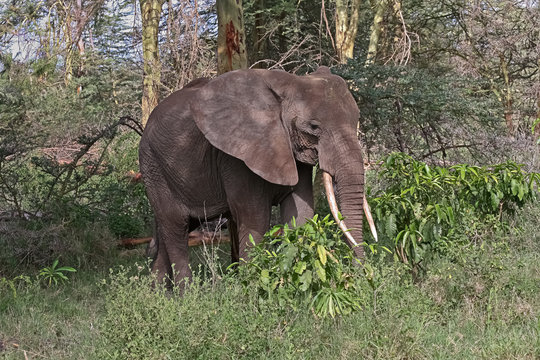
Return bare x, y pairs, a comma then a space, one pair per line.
236, 145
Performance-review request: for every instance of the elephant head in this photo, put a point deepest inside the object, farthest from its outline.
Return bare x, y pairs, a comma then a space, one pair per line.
272, 119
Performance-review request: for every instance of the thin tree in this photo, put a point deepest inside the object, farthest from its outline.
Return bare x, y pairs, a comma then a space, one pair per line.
150, 14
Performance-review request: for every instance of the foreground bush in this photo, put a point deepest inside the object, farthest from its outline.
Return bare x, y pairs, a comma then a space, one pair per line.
307, 266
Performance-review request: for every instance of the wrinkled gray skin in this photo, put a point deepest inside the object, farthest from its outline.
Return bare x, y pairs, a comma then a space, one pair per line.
242, 142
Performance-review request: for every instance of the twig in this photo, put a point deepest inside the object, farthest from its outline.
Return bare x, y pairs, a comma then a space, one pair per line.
444, 148
135, 126
328, 32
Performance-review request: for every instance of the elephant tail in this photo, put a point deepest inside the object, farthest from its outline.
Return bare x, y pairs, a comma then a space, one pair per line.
152, 248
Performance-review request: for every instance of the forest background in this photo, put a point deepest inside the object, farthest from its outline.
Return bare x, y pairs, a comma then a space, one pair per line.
442, 83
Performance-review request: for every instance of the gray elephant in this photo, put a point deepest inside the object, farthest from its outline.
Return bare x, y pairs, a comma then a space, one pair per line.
242, 142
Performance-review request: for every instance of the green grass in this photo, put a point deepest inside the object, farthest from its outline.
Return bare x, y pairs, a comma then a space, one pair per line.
51, 322
482, 304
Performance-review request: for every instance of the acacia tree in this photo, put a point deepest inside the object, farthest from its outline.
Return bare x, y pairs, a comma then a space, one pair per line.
347, 17
150, 15
378, 7
231, 52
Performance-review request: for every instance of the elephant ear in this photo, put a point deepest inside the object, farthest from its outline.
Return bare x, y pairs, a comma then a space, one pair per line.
240, 115
322, 70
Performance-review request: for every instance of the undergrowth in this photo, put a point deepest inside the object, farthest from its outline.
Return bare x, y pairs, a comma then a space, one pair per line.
301, 296
483, 306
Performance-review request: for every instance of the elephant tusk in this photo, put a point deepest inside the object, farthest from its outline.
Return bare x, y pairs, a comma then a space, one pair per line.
369, 219
331, 197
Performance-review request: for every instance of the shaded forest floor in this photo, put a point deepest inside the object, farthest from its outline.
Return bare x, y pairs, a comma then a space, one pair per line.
484, 305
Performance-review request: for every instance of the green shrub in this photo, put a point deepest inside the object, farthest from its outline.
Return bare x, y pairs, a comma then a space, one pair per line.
422, 210
306, 266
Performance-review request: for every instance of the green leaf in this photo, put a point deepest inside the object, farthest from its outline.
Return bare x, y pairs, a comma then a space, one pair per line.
521, 192
321, 250
265, 277
66, 268
450, 213
288, 258
321, 273
514, 186
300, 267
305, 280
494, 201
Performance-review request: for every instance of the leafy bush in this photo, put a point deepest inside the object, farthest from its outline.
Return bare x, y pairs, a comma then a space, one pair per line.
421, 210
306, 266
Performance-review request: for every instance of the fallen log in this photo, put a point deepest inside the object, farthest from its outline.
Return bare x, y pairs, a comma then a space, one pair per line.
196, 238
133, 242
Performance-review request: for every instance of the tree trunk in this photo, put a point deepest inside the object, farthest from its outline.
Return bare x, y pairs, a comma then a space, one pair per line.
379, 7
508, 100
347, 15
68, 72
80, 42
259, 31
150, 14
232, 53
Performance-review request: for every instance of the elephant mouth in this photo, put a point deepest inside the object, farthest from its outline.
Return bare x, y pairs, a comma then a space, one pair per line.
307, 155
334, 209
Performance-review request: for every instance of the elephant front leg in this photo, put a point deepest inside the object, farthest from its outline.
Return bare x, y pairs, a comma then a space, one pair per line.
249, 198
256, 227
249, 217
299, 203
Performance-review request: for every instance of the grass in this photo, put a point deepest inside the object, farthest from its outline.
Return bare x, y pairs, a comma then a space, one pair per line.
51, 322
483, 304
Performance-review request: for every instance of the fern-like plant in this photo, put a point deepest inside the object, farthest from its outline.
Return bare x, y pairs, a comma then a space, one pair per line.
53, 274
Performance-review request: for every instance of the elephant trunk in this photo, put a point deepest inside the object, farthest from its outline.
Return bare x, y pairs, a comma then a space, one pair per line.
331, 197
349, 179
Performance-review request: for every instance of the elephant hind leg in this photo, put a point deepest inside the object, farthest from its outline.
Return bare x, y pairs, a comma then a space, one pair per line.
161, 266
172, 260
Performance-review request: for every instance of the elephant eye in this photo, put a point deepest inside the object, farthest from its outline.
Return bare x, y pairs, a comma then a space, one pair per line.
314, 125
